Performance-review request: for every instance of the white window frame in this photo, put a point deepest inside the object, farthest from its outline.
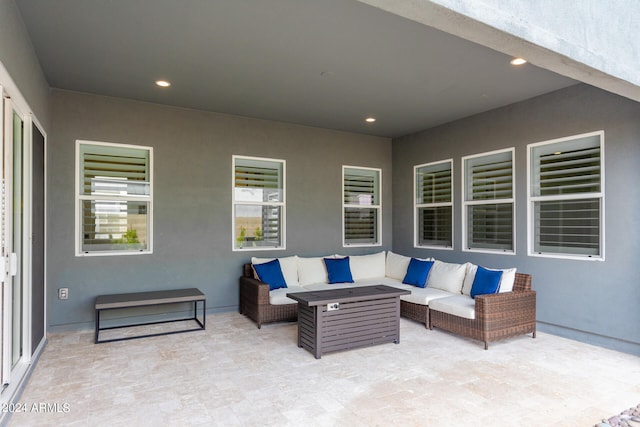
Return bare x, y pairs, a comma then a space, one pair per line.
531, 200
282, 204
377, 206
417, 206
467, 203
141, 198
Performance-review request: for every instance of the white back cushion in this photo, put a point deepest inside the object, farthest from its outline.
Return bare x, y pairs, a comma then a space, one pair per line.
288, 265
312, 270
367, 266
468, 278
447, 276
506, 281
279, 296
397, 265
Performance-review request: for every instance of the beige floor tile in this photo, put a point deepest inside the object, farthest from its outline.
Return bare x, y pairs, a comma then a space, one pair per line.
234, 374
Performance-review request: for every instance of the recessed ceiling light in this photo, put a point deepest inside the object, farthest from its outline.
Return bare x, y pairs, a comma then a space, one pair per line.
163, 83
370, 119
518, 61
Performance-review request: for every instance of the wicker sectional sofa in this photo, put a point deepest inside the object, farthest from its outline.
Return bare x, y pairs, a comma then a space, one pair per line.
444, 302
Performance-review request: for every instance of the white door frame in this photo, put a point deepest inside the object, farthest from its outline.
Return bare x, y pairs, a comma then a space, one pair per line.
8, 88
13, 372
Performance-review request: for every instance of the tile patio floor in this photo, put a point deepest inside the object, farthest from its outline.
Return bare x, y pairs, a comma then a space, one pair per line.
233, 374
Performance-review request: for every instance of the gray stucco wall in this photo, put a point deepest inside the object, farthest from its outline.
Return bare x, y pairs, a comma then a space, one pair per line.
595, 302
192, 198
19, 58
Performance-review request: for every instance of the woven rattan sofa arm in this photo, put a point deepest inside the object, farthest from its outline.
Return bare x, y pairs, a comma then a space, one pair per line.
254, 290
503, 310
522, 282
255, 302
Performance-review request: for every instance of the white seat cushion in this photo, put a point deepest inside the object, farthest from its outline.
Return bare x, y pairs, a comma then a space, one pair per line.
367, 282
325, 286
279, 296
457, 305
288, 265
389, 282
447, 276
383, 281
367, 266
424, 296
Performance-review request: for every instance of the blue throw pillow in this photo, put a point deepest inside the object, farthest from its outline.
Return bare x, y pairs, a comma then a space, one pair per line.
417, 272
338, 270
485, 282
271, 274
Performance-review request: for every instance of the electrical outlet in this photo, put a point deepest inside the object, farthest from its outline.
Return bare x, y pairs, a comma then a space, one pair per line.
333, 306
63, 293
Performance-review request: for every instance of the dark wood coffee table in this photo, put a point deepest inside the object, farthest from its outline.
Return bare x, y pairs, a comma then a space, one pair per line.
344, 318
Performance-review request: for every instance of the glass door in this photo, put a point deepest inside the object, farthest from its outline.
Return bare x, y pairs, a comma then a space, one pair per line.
11, 272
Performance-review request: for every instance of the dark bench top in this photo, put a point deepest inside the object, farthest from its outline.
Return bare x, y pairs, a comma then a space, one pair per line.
137, 299
360, 293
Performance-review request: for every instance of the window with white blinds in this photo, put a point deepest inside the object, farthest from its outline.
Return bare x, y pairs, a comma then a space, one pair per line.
113, 198
488, 202
258, 203
362, 206
433, 205
566, 196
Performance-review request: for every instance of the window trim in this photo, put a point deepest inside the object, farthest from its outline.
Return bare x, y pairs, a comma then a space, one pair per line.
465, 203
532, 199
282, 204
377, 206
417, 206
78, 201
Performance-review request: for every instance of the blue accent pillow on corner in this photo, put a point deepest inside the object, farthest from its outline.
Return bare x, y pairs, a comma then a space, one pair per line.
417, 272
338, 270
485, 282
271, 274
